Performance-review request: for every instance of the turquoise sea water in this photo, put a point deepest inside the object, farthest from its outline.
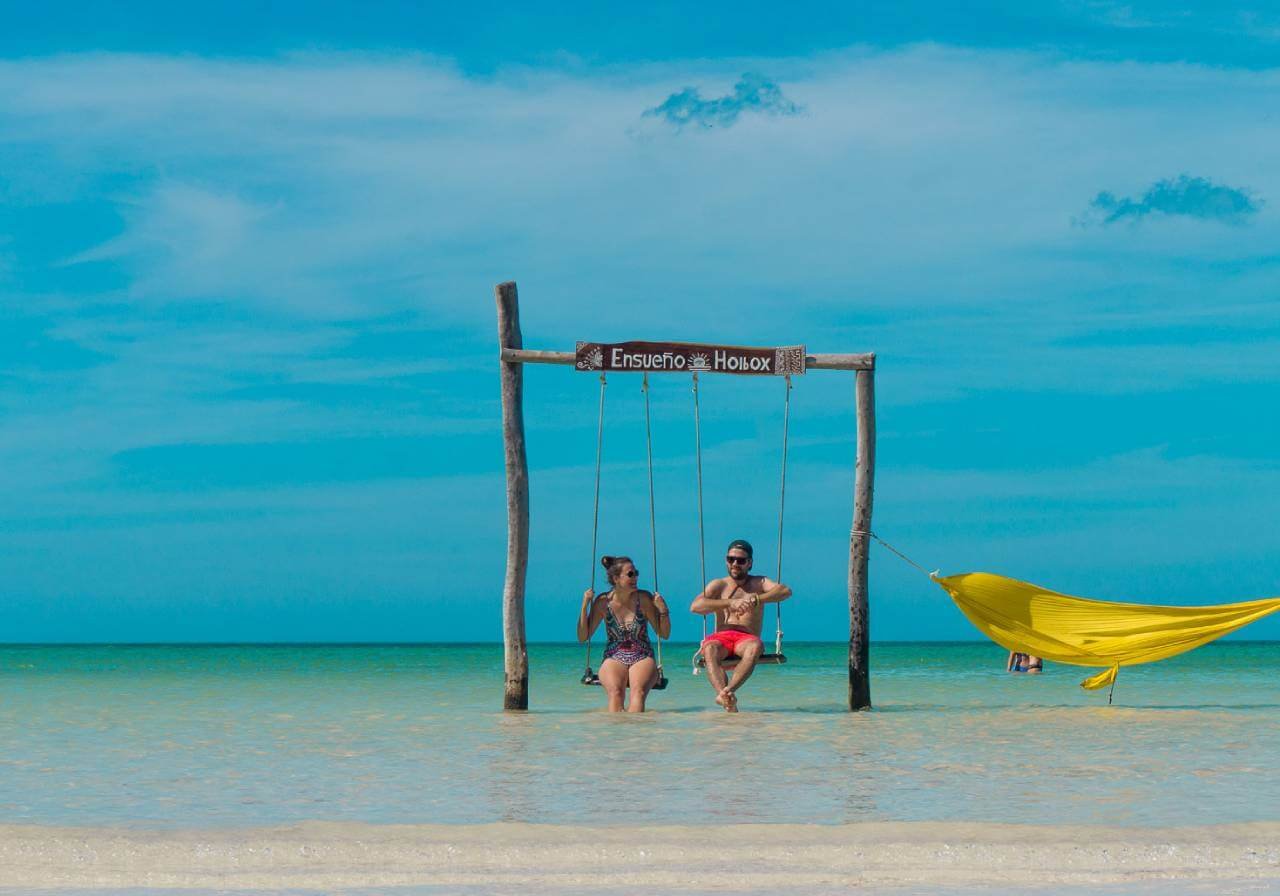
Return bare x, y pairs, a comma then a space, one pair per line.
233, 736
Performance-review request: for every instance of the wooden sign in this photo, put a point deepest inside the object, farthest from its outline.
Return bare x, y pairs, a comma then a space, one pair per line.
690, 357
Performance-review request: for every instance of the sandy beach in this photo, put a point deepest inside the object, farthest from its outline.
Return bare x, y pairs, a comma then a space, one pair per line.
553, 858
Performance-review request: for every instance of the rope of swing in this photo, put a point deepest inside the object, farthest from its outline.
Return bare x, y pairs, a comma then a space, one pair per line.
782, 504
702, 535
595, 514
653, 526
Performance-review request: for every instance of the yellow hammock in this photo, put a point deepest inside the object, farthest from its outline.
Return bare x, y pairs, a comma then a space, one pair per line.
1081, 632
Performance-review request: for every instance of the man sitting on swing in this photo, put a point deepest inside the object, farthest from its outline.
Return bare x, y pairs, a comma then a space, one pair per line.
737, 600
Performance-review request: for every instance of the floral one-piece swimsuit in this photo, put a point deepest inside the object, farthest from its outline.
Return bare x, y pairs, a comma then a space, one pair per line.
627, 643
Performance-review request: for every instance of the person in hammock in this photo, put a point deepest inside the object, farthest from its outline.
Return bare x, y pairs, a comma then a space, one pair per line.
627, 613
738, 602
1024, 662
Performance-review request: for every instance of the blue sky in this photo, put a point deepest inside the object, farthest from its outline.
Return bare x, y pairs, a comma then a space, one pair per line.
247, 376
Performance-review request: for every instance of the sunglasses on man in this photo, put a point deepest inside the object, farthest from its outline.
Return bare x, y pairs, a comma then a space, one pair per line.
737, 560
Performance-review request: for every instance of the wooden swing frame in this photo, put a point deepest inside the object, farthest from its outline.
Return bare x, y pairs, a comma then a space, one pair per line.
513, 356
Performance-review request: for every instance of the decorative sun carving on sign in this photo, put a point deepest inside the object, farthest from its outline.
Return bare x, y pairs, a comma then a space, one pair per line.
699, 361
593, 361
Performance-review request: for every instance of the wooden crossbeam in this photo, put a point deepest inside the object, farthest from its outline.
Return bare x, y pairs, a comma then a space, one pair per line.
865, 361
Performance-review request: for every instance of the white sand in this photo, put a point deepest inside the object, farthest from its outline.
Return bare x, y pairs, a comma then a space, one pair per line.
538, 858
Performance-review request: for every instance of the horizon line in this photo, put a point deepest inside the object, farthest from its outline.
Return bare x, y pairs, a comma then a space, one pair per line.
896, 643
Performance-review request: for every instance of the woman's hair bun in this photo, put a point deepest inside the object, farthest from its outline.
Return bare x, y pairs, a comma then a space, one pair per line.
606, 561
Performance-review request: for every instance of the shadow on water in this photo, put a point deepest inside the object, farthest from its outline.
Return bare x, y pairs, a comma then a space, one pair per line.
1117, 706
600, 711
1198, 706
710, 709
897, 708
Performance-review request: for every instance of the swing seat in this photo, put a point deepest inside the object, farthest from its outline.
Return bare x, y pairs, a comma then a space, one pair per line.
731, 662
590, 678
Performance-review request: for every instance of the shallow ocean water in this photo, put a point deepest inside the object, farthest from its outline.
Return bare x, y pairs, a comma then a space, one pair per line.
235, 736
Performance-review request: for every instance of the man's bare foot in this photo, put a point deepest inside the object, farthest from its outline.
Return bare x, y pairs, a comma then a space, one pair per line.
728, 699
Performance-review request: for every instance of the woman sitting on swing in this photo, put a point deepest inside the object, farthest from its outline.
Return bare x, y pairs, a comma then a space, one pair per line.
627, 613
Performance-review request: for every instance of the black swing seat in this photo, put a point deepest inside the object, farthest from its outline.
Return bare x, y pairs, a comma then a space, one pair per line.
731, 662
590, 678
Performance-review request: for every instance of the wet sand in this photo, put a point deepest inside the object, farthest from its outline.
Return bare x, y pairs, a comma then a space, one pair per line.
529, 858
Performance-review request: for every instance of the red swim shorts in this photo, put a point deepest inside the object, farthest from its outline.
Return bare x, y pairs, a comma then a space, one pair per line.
730, 640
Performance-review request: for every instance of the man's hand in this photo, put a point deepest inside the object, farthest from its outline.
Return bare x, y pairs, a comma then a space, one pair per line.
741, 606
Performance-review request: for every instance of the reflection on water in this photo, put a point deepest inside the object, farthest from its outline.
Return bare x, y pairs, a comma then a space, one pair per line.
169, 736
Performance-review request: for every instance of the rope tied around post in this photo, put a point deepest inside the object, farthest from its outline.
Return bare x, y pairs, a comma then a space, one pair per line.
865, 534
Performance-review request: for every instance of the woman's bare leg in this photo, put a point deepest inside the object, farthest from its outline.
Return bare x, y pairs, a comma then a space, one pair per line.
613, 678
642, 677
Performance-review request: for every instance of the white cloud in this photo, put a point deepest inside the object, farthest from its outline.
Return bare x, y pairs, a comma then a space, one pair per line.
923, 202
928, 179
199, 240
921, 176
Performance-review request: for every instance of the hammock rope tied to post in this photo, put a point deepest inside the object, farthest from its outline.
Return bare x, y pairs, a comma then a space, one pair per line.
1081, 631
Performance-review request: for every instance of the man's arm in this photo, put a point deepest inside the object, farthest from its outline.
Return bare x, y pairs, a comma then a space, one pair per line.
704, 603
774, 592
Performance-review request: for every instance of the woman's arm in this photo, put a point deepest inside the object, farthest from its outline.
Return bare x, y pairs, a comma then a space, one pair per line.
590, 614
658, 613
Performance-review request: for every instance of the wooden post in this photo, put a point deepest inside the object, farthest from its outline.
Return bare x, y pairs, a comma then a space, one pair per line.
515, 649
860, 541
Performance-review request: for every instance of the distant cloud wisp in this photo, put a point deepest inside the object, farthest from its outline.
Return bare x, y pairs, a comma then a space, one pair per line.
752, 93
1189, 197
